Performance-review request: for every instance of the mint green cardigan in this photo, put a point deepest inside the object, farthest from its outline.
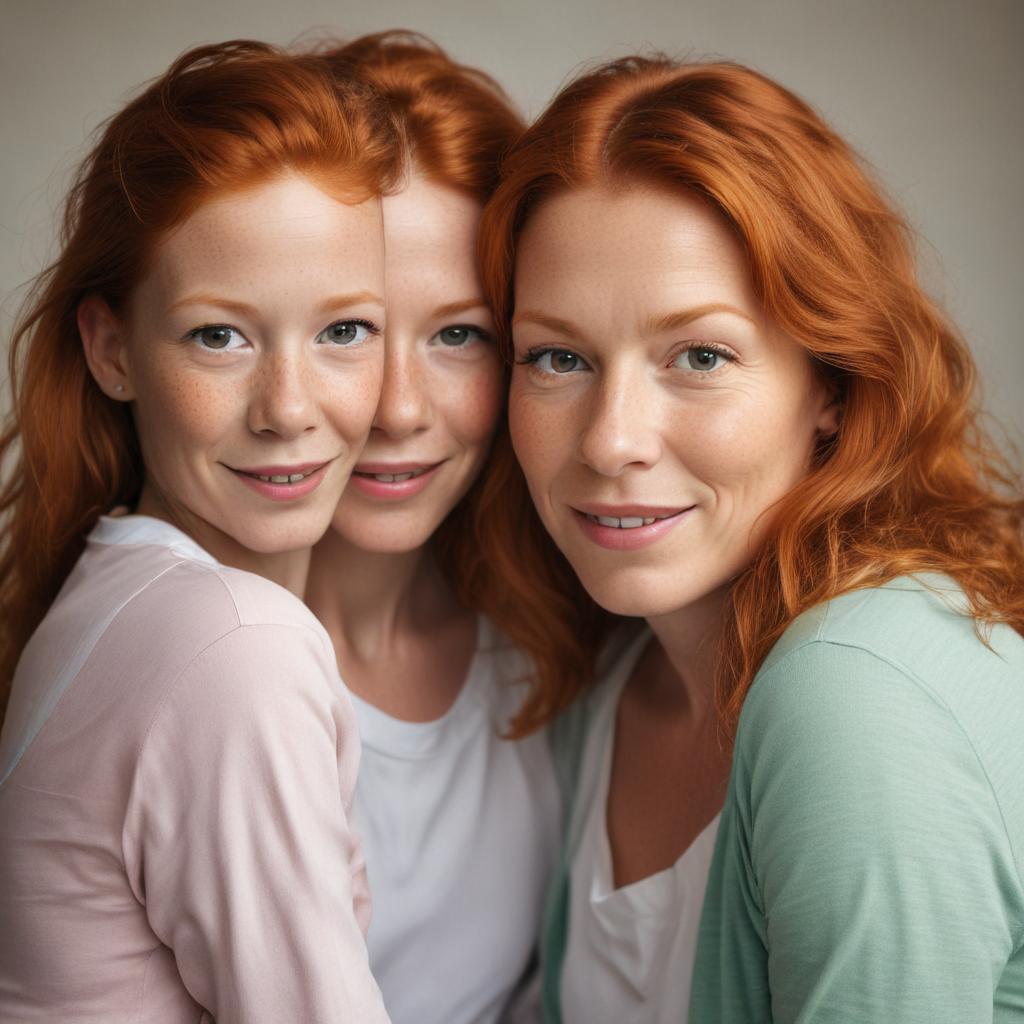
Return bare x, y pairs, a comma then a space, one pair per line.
871, 850
870, 856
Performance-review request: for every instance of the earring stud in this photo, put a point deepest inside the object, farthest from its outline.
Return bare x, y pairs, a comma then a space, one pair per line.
119, 387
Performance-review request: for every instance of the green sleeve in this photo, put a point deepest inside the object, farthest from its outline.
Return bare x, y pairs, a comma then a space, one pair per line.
863, 871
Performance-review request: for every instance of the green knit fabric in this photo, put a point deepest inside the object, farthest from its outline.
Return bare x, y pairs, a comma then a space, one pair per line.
869, 860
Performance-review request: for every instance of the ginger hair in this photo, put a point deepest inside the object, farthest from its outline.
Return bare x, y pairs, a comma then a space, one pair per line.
910, 483
224, 117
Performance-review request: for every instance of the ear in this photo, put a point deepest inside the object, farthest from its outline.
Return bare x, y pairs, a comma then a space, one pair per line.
830, 409
103, 340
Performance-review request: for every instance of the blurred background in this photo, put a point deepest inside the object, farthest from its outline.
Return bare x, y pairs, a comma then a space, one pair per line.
929, 92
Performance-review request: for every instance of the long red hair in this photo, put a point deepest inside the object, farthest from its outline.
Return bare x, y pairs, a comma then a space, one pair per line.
455, 125
222, 118
910, 483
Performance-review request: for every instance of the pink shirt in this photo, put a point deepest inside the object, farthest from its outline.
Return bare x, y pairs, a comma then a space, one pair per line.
176, 773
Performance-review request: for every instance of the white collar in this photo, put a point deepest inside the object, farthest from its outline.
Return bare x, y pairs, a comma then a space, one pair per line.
136, 529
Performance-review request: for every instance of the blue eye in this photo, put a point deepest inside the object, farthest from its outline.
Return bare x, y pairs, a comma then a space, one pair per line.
555, 361
347, 333
702, 358
217, 338
459, 335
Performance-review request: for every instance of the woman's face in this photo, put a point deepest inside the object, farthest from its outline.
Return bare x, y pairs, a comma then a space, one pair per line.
252, 356
443, 378
657, 415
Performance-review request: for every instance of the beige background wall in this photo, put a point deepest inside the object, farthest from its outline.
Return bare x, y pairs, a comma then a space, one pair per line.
930, 91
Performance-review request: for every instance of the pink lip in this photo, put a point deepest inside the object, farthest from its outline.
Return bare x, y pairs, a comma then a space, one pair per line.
314, 475
396, 490
615, 539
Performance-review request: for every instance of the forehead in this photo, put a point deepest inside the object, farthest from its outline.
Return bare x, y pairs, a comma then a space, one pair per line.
424, 216
629, 246
240, 237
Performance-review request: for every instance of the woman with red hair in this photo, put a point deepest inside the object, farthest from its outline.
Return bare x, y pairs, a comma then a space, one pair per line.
459, 826
193, 381
740, 419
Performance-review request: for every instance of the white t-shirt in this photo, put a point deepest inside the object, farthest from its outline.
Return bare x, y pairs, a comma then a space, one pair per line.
460, 829
630, 950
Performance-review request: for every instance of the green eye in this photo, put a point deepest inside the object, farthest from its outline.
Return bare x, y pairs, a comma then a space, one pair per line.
556, 360
216, 337
702, 358
346, 333
459, 335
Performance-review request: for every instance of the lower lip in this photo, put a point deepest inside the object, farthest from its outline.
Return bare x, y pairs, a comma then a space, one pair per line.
616, 539
284, 492
395, 490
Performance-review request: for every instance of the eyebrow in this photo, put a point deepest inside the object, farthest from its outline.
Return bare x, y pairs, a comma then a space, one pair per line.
653, 325
454, 308
334, 302
682, 317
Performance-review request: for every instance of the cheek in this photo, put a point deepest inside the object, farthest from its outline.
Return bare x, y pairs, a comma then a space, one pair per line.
352, 396
751, 448
473, 402
176, 412
543, 434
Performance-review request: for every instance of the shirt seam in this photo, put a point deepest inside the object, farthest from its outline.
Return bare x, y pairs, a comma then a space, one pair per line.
172, 689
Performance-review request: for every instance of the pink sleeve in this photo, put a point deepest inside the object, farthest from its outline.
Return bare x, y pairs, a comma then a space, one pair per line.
237, 836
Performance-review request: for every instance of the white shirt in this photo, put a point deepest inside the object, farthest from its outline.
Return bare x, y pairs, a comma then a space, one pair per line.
630, 952
460, 829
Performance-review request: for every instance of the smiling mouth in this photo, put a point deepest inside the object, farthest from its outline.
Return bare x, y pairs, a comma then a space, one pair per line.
291, 478
394, 478
629, 522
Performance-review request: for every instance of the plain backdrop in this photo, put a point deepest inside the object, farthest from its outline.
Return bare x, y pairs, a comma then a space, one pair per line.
929, 92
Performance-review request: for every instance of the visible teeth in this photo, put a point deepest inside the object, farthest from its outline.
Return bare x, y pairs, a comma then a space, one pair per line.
293, 478
397, 478
625, 522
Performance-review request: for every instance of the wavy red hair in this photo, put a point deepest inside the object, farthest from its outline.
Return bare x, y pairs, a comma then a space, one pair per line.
223, 118
455, 125
910, 483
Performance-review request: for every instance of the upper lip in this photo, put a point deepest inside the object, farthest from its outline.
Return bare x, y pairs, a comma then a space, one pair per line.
304, 468
393, 468
630, 511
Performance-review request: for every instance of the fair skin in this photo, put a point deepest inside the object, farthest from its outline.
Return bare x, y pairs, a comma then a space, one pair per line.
658, 416
403, 640
251, 348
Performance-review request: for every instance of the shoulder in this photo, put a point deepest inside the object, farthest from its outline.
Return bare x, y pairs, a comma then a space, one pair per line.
227, 639
914, 632
891, 682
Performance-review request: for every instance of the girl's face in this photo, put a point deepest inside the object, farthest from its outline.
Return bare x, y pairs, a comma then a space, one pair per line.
656, 413
252, 356
443, 378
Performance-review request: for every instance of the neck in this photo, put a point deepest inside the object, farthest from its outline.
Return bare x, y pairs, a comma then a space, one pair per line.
288, 569
368, 599
690, 639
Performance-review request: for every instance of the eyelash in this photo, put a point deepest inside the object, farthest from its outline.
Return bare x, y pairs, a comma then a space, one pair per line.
533, 355
710, 346
480, 333
193, 334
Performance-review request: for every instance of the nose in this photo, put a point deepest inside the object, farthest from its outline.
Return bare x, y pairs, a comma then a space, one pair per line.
284, 396
621, 427
404, 406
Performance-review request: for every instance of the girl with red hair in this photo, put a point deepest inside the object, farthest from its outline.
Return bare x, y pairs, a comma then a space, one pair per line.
740, 419
460, 826
178, 753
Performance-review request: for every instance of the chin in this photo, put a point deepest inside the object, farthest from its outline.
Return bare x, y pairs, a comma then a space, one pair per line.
279, 538
636, 593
